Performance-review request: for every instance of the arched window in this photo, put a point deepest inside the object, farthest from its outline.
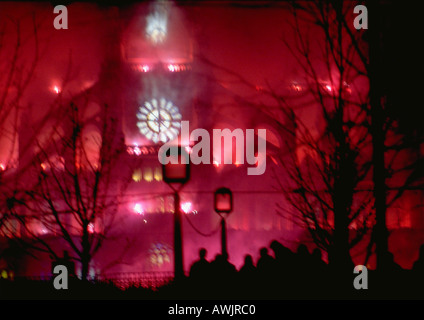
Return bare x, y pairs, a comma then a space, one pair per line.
148, 174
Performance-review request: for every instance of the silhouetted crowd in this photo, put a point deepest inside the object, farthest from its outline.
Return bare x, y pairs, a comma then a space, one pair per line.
301, 274
279, 273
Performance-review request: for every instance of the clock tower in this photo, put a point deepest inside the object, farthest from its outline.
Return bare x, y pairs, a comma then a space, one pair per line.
158, 88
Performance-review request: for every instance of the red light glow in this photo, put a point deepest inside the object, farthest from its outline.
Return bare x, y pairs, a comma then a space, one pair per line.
186, 207
137, 150
296, 87
172, 68
177, 67
143, 68
138, 209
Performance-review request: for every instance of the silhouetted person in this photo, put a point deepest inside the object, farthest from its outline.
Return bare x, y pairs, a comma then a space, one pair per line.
418, 270
340, 270
200, 268
319, 270
419, 264
389, 269
248, 270
223, 274
389, 265
304, 269
215, 264
284, 265
247, 277
265, 262
283, 256
227, 267
266, 270
303, 257
317, 262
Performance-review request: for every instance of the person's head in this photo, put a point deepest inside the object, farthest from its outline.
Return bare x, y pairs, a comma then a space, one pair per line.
263, 252
422, 251
218, 257
248, 260
202, 253
280, 251
275, 244
302, 250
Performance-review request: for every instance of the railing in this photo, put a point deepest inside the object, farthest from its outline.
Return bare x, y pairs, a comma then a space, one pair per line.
150, 280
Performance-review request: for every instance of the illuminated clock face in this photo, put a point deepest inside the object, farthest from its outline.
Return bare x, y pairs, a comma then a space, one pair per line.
159, 120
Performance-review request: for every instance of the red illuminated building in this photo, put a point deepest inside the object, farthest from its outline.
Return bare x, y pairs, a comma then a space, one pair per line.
155, 65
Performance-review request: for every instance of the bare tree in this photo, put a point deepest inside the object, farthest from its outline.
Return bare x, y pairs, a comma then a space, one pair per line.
323, 117
16, 74
19, 57
70, 188
326, 185
340, 168
80, 182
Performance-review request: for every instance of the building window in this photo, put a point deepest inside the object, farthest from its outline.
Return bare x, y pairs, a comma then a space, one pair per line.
158, 174
148, 174
162, 205
137, 175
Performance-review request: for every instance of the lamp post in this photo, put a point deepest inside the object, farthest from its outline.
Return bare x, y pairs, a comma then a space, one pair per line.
176, 173
223, 203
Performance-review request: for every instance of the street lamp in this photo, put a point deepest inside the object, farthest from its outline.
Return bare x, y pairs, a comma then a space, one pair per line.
176, 173
223, 204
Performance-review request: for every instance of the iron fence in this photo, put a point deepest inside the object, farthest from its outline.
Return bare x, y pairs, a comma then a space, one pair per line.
125, 280
151, 280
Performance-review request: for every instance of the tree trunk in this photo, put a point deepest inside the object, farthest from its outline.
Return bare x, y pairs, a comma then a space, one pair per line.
378, 136
344, 170
342, 200
85, 257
